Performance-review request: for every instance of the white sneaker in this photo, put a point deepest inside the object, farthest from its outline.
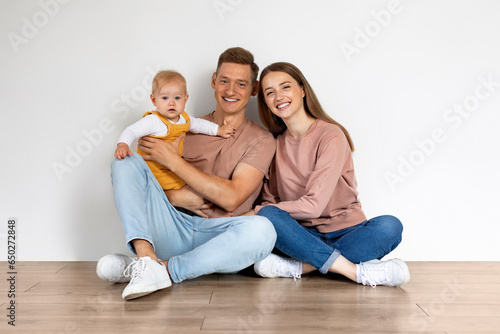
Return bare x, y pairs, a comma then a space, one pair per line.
389, 273
146, 276
111, 268
277, 266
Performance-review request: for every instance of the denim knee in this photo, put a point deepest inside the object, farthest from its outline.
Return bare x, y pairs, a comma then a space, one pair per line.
268, 210
131, 164
392, 228
267, 233
118, 165
129, 161
261, 234
272, 213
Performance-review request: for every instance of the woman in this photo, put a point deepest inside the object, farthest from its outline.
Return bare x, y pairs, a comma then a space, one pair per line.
311, 196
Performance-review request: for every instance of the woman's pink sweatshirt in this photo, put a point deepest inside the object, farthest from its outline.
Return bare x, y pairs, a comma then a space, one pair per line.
312, 178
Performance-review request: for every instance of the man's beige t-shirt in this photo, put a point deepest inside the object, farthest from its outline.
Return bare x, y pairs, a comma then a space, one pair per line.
251, 144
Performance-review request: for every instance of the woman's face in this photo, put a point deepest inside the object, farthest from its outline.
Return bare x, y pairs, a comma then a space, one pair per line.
283, 95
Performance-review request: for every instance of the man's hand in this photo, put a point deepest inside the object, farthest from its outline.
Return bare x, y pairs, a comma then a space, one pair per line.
163, 152
188, 199
122, 150
249, 213
228, 194
217, 212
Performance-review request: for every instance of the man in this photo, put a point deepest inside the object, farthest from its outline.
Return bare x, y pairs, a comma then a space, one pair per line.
223, 177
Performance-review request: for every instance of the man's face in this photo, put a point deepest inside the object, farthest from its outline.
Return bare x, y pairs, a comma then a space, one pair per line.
233, 87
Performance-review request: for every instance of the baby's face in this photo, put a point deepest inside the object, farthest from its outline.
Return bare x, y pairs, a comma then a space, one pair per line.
170, 100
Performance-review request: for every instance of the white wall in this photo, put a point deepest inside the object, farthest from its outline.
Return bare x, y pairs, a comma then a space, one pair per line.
390, 71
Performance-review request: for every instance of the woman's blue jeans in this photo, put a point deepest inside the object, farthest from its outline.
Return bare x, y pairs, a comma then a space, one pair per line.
372, 239
193, 246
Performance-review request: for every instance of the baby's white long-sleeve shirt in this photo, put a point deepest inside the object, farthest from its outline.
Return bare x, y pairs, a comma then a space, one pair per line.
152, 125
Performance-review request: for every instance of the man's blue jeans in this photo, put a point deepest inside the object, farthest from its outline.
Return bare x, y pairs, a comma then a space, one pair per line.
194, 246
372, 239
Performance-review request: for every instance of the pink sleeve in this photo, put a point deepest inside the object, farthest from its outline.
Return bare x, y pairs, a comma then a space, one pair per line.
269, 190
333, 151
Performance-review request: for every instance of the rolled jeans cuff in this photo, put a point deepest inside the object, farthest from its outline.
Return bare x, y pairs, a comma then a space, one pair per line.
130, 246
324, 268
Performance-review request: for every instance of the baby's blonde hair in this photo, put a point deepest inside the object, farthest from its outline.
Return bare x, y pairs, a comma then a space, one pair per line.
163, 77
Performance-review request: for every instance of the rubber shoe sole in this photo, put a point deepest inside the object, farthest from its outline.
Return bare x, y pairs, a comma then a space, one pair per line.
404, 268
145, 290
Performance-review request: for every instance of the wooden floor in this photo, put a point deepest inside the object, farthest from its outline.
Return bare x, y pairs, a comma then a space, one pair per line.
442, 297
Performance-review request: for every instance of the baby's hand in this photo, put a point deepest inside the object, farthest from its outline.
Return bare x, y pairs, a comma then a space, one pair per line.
226, 130
122, 150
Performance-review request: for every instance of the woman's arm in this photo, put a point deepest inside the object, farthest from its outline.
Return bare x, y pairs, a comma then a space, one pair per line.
269, 190
333, 150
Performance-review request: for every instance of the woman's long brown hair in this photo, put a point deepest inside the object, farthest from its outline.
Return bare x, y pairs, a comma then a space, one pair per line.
311, 103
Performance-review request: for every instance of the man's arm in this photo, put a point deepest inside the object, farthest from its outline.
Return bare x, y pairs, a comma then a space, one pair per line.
228, 194
188, 199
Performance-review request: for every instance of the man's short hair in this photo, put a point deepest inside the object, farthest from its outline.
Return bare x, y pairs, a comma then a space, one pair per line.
239, 55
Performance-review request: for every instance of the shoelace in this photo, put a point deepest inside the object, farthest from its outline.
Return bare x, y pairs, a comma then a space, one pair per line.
286, 268
135, 269
373, 274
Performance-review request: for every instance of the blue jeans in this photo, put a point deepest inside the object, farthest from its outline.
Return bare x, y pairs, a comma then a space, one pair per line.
194, 246
372, 239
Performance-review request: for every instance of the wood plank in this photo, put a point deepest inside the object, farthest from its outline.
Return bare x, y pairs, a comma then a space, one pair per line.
453, 286
466, 324
108, 324
442, 297
447, 298
460, 310
453, 266
298, 324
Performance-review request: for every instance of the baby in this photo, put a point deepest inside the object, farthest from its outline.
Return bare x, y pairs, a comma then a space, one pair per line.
168, 122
